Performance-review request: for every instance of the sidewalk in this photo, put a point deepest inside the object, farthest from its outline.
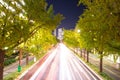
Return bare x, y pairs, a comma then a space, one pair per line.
108, 67
13, 67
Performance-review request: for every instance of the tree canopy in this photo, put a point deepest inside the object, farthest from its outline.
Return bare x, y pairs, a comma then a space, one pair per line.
71, 38
40, 42
21, 19
100, 26
100, 22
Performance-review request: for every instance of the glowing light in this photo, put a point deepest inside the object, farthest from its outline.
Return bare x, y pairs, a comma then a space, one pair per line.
5, 48
78, 31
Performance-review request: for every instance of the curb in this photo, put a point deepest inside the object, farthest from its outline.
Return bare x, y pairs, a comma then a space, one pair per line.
19, 77
90, 68
26, 71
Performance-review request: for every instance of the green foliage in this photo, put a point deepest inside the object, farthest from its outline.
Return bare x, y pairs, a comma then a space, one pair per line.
35, 10
105, 76
99, 25
9, 61
41, 41
20, 20
50, 11
70, 38
11, 26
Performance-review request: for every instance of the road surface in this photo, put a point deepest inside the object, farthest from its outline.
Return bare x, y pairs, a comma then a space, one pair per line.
60, 64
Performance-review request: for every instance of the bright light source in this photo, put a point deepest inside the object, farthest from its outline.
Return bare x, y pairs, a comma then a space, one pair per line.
14, 51
78, 31
5, 48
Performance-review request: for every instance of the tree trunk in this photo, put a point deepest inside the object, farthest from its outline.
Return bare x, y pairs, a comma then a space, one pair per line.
101, 61
84, 53
2, 53
20, 57
87, 56
74, 50
81, 53
27, 58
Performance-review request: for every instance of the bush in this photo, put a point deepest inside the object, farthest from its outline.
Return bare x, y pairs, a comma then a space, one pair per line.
9, 61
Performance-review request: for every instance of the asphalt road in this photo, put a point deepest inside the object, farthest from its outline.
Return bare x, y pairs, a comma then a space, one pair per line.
60, 64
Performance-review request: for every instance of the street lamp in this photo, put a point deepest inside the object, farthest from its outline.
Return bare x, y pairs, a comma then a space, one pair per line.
78, 31
5, 48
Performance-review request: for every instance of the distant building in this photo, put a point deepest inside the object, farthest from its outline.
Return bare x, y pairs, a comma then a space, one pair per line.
60, 34
55, 32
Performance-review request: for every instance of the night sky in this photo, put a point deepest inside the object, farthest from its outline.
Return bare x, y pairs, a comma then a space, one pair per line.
69, 9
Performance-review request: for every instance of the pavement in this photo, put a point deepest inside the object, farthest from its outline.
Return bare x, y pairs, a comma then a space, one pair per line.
13, 67
109, 67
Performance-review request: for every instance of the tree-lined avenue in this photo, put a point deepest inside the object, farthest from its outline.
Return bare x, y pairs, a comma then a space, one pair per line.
60, 64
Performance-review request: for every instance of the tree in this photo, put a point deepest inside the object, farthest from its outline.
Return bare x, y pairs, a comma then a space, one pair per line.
12, 29
40, 42
100, 23
70, 38
20, 20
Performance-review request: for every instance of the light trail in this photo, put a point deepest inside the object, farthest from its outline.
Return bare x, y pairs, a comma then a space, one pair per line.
62, 64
